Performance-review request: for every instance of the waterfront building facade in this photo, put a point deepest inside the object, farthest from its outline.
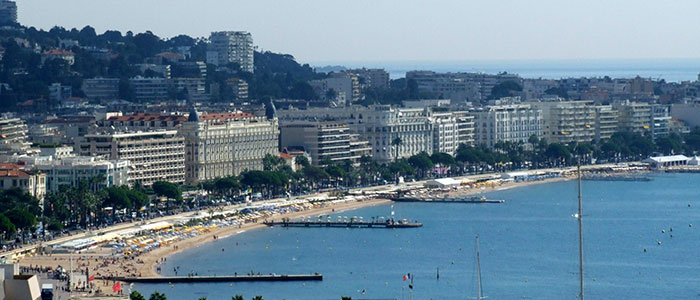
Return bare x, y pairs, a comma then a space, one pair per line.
231, 47
152, 155
465, 128
605, 122
506, 123
226, 144
325, 141
71, 171
378, 124
567, 122
634, 116
660, 124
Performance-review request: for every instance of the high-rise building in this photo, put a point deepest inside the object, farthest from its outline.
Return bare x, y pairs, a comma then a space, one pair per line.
605, 122
660, 125
506, 123
373, 78
231, 47
152, 155
8, 12
634, 116
226, 144
565, 122
149, 89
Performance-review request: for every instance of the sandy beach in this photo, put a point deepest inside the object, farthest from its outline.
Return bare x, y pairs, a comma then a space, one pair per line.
100, 263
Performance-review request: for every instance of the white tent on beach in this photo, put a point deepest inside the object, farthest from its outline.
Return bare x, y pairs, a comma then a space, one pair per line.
442, 182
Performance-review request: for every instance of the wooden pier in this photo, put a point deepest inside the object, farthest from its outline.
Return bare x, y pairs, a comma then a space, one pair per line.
233, 278
346, 224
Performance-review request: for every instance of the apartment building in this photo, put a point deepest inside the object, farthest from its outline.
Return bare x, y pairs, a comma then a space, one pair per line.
346, 86
660, 124
71, 171
226, 144
634, 116
8, 12
325, 141
465, 128
378, 124
567, 122
152, 155
372, 78
506, 123
101, 88
231, 47
149, 89
605, 122
14, 137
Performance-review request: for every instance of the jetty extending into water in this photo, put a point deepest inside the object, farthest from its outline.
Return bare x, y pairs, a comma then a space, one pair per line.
230, 278
391, 223
615, 178
468, 200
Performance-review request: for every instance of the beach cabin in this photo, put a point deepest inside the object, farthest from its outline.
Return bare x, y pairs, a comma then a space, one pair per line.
658, 162
442, 183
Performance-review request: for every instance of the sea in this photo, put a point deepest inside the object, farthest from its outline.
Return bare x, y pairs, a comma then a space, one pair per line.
671, 70
640, 241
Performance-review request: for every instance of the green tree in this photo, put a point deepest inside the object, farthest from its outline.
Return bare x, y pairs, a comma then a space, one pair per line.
422, 162
303, 161
168, 190
157, 296
6, 226
135, 295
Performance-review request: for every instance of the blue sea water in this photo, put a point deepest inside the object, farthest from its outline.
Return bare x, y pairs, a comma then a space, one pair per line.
672, 70
529, 249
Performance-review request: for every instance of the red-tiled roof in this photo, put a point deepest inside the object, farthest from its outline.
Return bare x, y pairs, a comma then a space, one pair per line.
147, 117
224, 116
286, 156
13, 173
8, 166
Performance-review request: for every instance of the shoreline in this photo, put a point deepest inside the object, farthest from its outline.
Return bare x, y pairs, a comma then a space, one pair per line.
146, 263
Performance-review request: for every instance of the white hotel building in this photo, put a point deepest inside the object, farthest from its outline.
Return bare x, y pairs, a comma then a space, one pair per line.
226, 144
152, 155
378, 124
506, 123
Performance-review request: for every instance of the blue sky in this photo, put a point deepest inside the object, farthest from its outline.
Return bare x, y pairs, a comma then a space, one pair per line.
321, 31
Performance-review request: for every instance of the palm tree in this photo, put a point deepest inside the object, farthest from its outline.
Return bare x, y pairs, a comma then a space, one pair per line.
396, 142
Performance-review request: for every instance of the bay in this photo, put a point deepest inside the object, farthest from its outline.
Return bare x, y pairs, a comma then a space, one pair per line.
529, 249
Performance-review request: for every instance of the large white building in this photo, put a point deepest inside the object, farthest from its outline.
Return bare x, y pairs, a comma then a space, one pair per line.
346, 87
325, 141
226, 144
565, 122
231, 47
378, 124
152, 155
71, 171
506, 123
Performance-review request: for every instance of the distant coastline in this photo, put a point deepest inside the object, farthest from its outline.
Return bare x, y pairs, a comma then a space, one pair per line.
671, 70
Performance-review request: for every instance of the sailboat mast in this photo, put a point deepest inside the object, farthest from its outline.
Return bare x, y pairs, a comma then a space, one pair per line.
478, 271
580, 233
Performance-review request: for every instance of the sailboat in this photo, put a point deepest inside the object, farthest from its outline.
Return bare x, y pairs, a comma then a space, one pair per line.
579, 216
479, 290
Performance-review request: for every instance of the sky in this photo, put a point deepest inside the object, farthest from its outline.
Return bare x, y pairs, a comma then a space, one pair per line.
328, 31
